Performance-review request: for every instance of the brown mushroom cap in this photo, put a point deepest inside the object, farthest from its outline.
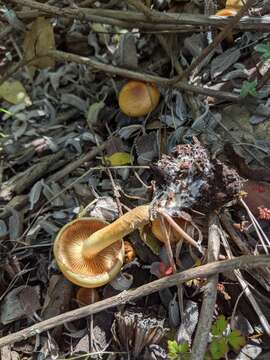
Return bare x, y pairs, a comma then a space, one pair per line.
226, 12
137, 98
158, 230
88, 272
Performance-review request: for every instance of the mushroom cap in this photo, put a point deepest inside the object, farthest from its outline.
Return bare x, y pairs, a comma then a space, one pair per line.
80, 270
226, 12
159, 231
138, 98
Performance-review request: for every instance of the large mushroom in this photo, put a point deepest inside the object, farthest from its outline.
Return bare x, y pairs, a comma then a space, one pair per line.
90, 252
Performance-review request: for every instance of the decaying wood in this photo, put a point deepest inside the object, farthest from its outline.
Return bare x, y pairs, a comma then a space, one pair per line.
204, 271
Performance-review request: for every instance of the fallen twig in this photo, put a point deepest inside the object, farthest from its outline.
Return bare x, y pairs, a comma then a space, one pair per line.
209, 297
132, 19
203, 271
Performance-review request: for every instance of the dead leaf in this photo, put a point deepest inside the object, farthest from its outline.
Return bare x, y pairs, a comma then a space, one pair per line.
57, 300
38, 40
18, 303
224, 61
14, 93
29, 299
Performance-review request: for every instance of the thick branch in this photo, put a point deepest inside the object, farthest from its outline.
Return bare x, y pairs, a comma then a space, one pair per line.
203, 271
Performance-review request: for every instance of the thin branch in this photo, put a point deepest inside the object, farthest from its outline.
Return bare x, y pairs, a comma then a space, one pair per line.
204, 271
130, 19
109, 69
209, 298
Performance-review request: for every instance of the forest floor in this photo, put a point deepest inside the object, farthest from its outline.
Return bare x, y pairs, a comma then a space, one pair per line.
153, 114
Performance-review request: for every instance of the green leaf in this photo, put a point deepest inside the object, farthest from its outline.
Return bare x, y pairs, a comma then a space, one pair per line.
263, 49
119, 159
248, 88
218, 348
178, 351
219, 326
236, 340
14, 92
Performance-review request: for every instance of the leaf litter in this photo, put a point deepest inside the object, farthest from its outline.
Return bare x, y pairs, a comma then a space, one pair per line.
53, 113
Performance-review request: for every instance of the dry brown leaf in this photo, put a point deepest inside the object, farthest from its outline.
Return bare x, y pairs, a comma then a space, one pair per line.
38, 40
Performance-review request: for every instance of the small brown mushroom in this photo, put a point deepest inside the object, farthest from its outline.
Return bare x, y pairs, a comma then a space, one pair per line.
138, 98
226, 12
160, 227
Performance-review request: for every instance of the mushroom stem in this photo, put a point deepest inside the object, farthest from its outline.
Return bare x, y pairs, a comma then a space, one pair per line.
111, 233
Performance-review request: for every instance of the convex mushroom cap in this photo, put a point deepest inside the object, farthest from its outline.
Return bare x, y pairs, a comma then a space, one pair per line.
226, 12
73, 259
138, 98
161, 229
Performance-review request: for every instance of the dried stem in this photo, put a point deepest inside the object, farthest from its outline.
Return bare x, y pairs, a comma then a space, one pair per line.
210, 293
204, 271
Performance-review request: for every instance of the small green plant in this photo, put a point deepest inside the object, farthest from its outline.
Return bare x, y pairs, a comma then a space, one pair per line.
264, 50
178, 351
248, 88
223, 340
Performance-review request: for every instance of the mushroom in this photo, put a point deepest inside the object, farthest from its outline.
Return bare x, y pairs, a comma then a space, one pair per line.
138, 98
90, 252
160, 227
226, 12
130, 253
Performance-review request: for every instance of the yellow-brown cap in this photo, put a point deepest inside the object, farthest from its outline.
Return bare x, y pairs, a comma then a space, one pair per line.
158, 229
226, 12
138, 98
88, 272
